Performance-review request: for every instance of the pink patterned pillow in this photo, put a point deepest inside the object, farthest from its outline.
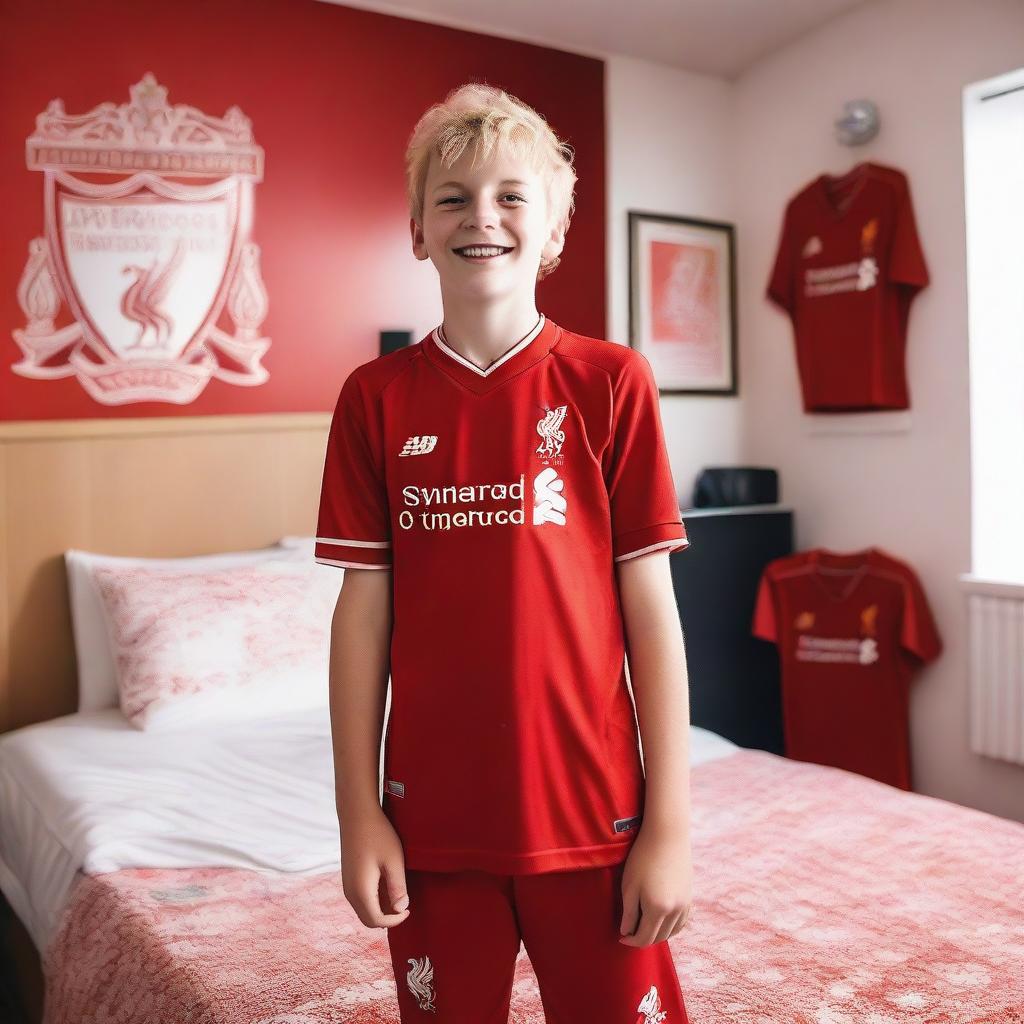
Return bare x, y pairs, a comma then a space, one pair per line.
222, 644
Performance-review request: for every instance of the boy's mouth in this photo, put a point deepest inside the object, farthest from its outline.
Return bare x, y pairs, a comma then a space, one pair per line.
479, 253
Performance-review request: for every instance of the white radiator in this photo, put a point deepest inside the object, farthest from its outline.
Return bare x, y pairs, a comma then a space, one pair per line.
996, 625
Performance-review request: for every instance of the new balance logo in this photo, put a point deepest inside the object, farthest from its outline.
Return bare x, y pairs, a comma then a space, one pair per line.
419, 445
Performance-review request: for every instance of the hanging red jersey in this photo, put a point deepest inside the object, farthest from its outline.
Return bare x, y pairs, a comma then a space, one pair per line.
851, 631
848, 265
501, 499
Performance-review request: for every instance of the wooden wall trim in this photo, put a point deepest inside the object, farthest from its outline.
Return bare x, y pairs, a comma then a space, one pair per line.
45, 430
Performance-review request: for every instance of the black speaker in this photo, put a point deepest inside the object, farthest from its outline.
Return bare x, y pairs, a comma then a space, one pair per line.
390, 341
727, 486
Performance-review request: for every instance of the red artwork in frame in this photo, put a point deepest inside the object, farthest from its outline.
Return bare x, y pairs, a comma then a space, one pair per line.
682, 301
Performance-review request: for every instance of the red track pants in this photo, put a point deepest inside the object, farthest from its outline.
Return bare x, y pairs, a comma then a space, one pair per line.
454, 955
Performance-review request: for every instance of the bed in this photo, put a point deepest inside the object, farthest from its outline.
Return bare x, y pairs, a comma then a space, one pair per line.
173, 861
197, 880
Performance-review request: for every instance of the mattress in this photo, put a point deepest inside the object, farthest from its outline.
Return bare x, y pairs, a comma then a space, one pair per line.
819, 897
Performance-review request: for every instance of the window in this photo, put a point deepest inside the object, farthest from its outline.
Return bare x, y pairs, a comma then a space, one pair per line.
994, 199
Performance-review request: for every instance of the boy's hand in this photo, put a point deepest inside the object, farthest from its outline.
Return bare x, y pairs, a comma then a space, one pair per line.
373, 870
657, 889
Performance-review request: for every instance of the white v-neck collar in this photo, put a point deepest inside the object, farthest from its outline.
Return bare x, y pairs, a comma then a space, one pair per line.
514, 350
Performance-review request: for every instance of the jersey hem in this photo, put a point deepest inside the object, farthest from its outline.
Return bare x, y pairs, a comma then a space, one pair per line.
673, 545
565, 859
352, 565
340, 542
647, 538
353, 554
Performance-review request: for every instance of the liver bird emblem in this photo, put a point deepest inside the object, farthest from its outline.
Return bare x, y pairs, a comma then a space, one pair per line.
144, 297
650, 1008
548, 428
420, 979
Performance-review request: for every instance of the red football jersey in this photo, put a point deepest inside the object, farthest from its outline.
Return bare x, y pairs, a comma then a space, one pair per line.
851, 631
848, 265
500, 499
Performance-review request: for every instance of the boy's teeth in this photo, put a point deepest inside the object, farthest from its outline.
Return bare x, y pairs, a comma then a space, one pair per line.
481, 251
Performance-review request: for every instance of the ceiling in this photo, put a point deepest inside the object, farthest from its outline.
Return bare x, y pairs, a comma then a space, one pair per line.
715, 37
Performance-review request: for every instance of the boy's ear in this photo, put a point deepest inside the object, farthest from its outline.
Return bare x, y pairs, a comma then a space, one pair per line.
419, 248
555, 243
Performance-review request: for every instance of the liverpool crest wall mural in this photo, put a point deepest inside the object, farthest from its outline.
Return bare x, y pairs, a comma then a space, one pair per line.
204, 204
161, 276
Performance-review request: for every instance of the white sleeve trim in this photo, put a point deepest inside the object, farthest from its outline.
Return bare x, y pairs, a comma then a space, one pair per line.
354, 543
676, 542
350, 565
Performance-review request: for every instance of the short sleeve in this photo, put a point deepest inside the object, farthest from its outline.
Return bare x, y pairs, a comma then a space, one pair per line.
353, 525
906, 260
781, 284
918, 633
763, 624
642, 497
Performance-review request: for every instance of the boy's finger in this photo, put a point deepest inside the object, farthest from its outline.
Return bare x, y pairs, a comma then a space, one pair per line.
630, 913
668, 926
394, 883
648, 930
377, 903
391, 890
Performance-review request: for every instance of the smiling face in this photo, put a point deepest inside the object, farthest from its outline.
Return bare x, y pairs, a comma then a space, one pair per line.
501, 204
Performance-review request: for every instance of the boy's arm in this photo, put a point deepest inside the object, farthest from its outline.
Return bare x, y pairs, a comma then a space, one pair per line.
359, 669
657, 674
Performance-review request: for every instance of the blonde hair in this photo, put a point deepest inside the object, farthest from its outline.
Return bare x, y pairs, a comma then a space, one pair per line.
488, 117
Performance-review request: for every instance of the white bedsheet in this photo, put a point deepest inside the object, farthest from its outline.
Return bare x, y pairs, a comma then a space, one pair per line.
89, 792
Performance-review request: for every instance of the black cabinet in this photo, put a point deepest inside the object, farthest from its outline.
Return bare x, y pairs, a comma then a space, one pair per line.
734, 677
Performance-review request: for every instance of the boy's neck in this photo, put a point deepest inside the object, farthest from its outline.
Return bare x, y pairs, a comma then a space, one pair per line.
486, 332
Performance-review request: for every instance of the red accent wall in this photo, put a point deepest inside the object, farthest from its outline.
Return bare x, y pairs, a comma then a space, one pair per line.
332, 93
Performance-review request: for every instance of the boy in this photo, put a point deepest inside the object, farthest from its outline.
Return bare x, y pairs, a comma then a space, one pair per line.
500, 497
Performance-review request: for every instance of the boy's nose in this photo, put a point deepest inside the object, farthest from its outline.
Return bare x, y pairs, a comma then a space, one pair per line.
480, 215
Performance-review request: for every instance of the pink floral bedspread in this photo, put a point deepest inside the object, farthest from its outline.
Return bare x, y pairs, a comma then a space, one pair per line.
821, 897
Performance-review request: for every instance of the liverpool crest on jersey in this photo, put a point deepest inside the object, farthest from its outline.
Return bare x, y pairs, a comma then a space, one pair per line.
552, 436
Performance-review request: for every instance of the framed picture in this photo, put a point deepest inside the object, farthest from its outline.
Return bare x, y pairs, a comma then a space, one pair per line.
682, 301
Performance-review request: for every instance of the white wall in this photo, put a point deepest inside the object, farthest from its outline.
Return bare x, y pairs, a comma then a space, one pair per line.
690, 144
670, 150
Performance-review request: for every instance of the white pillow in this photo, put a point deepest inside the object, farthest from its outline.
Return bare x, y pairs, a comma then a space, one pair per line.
224, 644
306, 544
97, 679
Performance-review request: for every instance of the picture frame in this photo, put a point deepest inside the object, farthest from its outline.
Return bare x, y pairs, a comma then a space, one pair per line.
682, 301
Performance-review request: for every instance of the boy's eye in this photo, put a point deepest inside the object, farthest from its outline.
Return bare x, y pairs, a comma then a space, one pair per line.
458, 199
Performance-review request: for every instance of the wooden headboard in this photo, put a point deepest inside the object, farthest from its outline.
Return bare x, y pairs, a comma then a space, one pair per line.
160, 487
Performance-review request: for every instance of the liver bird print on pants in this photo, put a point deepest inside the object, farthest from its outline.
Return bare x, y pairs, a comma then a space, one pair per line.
420, 979
649, 1011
